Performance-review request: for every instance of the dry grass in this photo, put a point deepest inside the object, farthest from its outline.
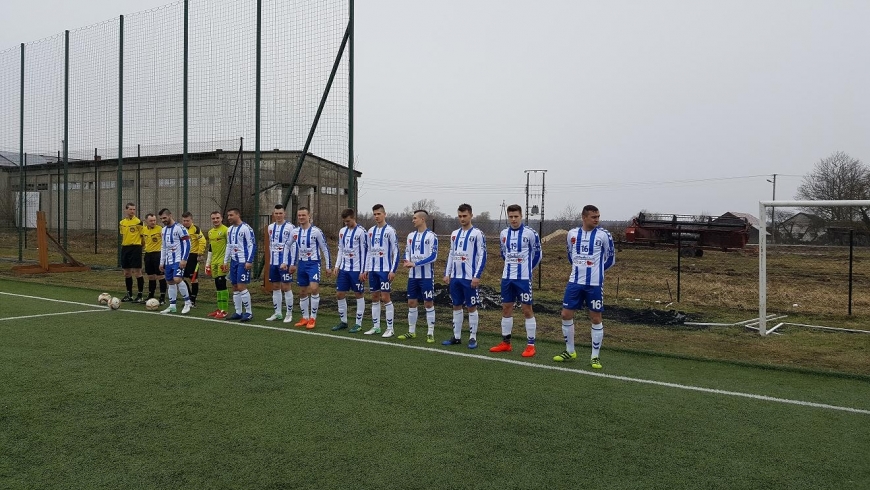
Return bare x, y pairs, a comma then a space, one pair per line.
719, 287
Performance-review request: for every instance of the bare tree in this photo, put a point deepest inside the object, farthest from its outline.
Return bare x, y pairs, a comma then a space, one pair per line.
569, 213
838, 177
427, 205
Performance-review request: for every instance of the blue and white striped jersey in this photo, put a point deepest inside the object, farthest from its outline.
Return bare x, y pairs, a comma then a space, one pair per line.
280, 242
353, 245
422, 250
383, 253
176, 244
467, 256
521, 251
590, 253
309, 245
241, 244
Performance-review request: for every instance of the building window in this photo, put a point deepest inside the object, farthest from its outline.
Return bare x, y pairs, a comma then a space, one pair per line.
42, 186
107, 184
166, 183
129, 183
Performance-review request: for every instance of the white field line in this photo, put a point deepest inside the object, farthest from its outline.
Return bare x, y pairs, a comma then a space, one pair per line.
47, 314
628, 379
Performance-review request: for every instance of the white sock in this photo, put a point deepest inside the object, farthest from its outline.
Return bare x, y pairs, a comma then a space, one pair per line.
303, 305
597, 337
457, 324
182, 289
315, 303
376, 314
288, 300
473, 318
276, 301
390, 312
342, 310
237, 301
430, 321
360, 310
531, 330
507, 325
173, 293
412, 319
246, 301
568, 332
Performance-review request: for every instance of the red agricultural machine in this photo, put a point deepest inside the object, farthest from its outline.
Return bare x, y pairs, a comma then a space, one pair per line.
691, 233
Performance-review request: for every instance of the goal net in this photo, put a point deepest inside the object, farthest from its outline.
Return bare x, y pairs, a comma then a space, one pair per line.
768, 209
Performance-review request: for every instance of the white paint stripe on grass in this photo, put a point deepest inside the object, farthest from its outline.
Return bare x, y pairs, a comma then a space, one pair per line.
78, 303
47, 314
665, 384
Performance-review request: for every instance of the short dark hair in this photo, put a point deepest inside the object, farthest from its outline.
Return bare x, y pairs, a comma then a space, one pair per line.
129, 205
165, 211
187, 214
279, 206
303, 208
377, 206
422, 211
515, 208
237, 211
214, 213
465, 207
589, 209
348, 213
149, 215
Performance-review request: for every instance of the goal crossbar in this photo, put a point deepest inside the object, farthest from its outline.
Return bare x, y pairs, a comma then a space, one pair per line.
762, 244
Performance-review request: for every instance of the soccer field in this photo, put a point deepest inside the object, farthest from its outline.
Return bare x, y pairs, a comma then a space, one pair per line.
120, 399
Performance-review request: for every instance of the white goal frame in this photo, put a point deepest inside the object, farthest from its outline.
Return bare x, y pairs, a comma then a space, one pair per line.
762, 245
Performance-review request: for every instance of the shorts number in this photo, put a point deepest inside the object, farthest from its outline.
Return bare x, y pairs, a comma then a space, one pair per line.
596, 304
428, 295
385, 286
474, 300
315, 278
243, 277
525, 297
285, 277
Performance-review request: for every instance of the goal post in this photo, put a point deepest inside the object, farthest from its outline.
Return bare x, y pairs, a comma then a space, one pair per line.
763, 207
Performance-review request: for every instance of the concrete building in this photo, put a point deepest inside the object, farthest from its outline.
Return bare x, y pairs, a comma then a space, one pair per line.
217, 180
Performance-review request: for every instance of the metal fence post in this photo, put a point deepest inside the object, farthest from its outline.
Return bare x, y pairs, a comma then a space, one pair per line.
851, 258
21, 216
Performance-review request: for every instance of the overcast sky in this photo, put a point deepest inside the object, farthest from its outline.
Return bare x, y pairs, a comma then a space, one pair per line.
672, 106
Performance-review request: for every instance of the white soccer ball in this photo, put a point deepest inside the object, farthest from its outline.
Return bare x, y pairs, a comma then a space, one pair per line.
152, 304
114, 303
104, 298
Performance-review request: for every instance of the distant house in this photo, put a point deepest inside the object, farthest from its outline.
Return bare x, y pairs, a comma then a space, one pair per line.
746, 217
803, 227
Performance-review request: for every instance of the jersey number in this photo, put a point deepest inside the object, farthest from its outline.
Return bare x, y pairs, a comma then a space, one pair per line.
526, 297
428, 295
596, 304
385, 286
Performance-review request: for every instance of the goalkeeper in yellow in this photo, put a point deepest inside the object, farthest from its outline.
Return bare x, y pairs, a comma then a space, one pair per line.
217, 246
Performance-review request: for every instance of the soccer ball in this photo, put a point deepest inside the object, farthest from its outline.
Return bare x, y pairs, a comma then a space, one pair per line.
104, 298
114, 303
152, 304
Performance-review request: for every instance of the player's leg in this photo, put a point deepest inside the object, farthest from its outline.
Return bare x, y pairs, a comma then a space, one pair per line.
314, 294
387, 300
531, 324
342, 286
190, 273
595, 302
277, 293
245, 294
169, 274
237, 293
471, 302
570, 302
127, 266
183, 291
457, 297
375, 288
303, 279
287, 289
413, 303
508, 298
220, 286
429, 305
137, 272
359, 294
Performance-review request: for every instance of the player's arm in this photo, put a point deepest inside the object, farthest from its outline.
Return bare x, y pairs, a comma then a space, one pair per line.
502, 244
611, 253
394, 250
477, 271
208, 260
251, 249
570, 249
537, 253
433, 252
324, 247
184, 240
449, 268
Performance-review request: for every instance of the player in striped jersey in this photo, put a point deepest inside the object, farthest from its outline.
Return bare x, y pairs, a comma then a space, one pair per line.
173, 259
238, 261
197, 248
309, 250
382, 262
465, 263
217, 249
280, 241
151, 235
521, 252
421, 251
590, 251
352, 250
